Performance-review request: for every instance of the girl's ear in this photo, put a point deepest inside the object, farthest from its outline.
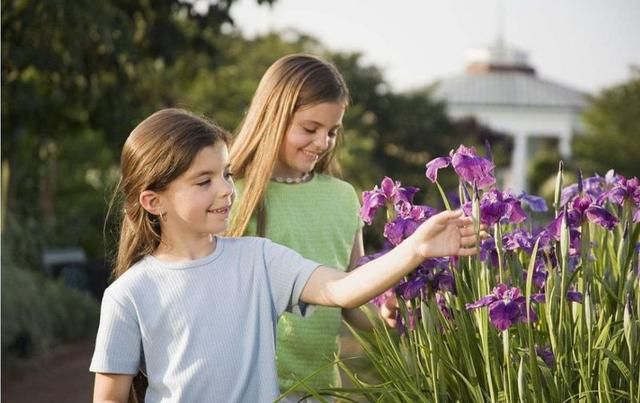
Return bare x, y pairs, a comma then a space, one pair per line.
150, 201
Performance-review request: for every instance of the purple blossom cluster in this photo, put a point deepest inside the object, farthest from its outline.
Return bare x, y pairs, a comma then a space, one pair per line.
468, 165
506, 307
591, 200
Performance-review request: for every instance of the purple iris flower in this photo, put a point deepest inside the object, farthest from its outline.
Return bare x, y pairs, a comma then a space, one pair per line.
443, 281
492, 213
472, 168
625, 189
380, 299
442, 305
547, 355
399, 229
371, 201
547, 235
441, 263
574, 296
539, 277
574, 245
539, 297
408, 218
506, 307
602, 216
593, 186
434, 165
535, 203
488, 251
497, 206
585, 207
518, 239
552, 230
394, 192
389, 193
454, 199
415, 212
411, 288
467, 164
413, 315
431, 276
580, 209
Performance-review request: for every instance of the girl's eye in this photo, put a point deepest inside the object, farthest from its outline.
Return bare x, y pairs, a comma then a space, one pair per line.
333, 134
309, 130
204, 182
228, 176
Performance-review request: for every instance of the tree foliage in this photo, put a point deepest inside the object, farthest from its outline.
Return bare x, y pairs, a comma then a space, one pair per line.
78, 75
612, 131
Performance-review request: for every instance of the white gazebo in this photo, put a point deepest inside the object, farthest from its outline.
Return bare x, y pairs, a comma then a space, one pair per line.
501, 90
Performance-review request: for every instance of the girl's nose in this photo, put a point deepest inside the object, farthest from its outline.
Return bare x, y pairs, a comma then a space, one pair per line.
323, 141
228, 188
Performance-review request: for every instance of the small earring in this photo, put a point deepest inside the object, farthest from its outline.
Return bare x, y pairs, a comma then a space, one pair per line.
163, 216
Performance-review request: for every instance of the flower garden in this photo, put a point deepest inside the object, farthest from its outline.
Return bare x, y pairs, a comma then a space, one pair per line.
543, 313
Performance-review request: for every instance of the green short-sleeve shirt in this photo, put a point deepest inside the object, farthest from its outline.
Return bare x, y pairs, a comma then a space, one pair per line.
319, 220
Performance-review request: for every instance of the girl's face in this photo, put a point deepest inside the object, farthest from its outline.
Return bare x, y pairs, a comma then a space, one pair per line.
199, 201
311, 134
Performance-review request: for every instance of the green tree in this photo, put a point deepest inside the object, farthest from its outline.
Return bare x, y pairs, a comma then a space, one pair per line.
612, 131
76, 76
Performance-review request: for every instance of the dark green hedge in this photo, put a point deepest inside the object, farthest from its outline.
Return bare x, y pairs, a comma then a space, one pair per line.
39, 314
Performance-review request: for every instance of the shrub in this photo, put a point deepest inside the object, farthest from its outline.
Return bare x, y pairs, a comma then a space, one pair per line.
39, 314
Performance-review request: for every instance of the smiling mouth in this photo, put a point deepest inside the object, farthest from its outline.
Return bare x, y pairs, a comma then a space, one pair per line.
221, 210
310, 154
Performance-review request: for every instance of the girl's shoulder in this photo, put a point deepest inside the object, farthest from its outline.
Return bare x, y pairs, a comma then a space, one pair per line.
232, 242
126, 284
339, 189
328, 181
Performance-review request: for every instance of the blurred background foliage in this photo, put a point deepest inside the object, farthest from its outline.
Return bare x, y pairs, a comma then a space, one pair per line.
78, 75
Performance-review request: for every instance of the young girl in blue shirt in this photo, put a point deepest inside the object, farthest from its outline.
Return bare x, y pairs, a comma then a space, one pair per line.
197, 311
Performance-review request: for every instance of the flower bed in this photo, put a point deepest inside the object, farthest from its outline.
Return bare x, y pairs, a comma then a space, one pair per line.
539, 314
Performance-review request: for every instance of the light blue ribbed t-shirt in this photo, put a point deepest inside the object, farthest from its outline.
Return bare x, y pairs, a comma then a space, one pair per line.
206, 328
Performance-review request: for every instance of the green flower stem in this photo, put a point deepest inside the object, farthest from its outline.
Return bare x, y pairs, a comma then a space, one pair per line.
506, 365
443, 196
533, 362
500, 252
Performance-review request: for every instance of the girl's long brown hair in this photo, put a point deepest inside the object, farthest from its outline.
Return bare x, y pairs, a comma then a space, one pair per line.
157, 151
291, 83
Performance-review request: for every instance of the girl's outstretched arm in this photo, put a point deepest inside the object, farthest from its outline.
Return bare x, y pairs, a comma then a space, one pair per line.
112, 388
355, 316
445, 234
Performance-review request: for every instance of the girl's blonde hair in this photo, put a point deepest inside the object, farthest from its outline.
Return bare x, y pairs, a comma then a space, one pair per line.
157, 151
292, 83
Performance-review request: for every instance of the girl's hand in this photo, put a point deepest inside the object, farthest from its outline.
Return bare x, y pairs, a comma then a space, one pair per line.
448, 233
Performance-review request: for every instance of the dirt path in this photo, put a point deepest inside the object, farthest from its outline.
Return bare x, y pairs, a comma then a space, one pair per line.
61, 376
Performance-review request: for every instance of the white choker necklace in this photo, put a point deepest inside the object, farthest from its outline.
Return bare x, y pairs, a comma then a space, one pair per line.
291, 181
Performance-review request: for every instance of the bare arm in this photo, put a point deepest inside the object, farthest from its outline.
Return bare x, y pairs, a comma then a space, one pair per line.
355, 316
112, 388
445, 234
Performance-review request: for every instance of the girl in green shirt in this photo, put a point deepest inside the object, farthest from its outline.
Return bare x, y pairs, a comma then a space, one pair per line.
283, 155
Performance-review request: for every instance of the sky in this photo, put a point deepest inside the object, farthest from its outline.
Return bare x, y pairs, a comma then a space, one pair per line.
587, 45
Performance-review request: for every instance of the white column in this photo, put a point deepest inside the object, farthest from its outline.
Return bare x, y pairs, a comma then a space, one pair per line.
519, 158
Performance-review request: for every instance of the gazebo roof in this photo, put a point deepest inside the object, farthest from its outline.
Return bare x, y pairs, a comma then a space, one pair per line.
501, 76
